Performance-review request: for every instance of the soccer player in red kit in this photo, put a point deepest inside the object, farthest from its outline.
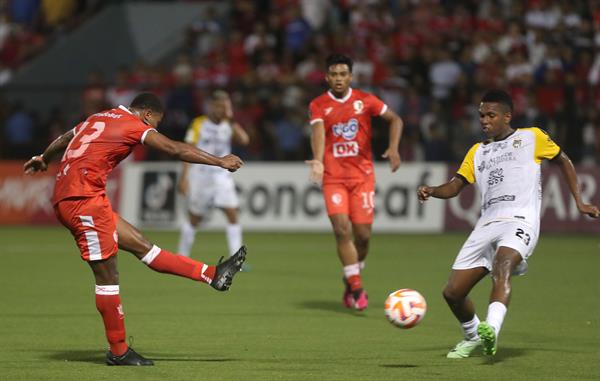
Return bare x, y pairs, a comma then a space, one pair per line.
342, 163
92, 149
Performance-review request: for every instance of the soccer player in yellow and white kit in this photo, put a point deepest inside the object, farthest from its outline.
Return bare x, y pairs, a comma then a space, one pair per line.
206, 187
506, 170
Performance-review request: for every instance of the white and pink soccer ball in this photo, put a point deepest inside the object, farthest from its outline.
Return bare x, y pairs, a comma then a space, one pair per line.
405, 308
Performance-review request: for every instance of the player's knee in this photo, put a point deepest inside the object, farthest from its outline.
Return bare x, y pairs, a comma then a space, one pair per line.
451, 294
342, 232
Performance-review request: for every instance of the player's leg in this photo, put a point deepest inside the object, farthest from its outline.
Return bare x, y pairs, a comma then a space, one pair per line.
456, 293
198, 203
187, 234
160, 260
505, 263
227, 200
91, 222
362, 238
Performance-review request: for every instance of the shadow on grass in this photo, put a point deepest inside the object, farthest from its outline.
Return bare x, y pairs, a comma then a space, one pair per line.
99, 357
329, 305
398, 366
504, 353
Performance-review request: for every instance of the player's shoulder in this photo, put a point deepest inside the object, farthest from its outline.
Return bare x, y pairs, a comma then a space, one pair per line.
198, 120
358, 93
537, 131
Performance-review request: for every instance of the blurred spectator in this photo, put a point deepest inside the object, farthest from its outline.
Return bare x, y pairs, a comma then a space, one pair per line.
19, 133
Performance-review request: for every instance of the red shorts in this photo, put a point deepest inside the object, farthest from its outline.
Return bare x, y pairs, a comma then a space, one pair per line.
353, 199
93, 224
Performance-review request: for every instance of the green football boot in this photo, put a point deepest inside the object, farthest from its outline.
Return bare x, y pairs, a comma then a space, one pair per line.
463, 349
488, 338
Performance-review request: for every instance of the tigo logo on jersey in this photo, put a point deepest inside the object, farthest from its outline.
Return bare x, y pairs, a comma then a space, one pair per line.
347, 130
345, 149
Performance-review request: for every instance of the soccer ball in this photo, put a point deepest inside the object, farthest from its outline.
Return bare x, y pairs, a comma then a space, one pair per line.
405, 308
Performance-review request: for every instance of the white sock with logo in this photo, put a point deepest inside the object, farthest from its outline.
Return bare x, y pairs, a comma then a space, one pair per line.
470, 328
495, 316
234, 237
186, 238
351, 270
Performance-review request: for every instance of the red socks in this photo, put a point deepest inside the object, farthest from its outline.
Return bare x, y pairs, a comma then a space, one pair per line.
108, 303
355, 283
166, 262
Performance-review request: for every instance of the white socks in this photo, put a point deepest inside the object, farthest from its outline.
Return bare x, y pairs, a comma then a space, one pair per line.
362, 265
495, 316
234, 237
470, 328
351, 270
186, 239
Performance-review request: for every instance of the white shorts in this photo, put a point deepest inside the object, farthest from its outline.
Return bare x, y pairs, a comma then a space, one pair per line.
480, 248
208, 192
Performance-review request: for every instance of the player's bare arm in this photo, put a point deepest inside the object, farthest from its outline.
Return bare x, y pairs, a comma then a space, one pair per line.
568, 171
190, 154
317, 143
448, 190
396, 126
240, 136
40, 163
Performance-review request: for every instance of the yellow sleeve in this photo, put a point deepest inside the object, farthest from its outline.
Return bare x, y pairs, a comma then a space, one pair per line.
545, 148
467, 168
193, 133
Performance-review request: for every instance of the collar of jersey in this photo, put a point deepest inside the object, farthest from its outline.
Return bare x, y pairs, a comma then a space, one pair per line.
342, 100
506, 137
125, 109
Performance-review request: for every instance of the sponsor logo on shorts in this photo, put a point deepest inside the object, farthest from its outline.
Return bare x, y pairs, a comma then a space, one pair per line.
345, 149
336, 198
347, 130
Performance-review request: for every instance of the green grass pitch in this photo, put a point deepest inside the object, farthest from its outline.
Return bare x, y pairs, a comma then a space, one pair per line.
284, 319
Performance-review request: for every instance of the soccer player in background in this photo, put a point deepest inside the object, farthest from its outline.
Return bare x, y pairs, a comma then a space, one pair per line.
204, 186
92, 149
342, 163
506, 170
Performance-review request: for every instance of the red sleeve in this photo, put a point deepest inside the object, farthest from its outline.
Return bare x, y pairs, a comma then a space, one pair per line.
376, 106
315, 113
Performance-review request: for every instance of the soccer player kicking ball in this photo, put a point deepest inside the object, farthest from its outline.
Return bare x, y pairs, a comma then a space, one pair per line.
92, 149
506, 169
341, 147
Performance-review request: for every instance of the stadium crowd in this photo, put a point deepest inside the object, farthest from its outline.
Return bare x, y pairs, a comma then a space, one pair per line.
429, 60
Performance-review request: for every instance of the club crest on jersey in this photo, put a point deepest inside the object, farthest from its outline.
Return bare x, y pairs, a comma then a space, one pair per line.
345, 149
347, 130
358, 107
517, 143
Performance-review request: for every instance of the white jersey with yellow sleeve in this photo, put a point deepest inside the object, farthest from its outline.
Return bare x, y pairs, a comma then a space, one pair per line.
214, 138
210, 186
508, 175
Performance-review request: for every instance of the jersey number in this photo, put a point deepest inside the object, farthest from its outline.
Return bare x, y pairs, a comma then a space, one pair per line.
84, 140
368, 199
524, 236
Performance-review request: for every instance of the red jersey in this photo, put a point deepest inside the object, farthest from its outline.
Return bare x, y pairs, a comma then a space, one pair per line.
347, 134
99, 144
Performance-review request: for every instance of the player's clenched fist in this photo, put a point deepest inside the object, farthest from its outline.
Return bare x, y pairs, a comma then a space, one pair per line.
231, 162
424, 192
35, 164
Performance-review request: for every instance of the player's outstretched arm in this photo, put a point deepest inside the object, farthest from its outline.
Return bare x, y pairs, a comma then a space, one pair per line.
570, 175
40, 163
396, 127
447, 190
189, 153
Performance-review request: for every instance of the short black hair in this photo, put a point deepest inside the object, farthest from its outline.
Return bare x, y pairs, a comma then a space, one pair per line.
498, 96
337, 59
148, 101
